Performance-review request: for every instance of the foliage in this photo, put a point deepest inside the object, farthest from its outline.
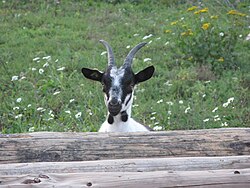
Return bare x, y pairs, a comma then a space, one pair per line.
201, 79
208, 39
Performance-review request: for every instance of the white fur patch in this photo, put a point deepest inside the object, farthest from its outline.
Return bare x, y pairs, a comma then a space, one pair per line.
116, 75
129, 126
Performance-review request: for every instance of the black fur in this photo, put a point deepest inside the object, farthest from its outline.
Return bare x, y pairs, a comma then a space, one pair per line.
110, 119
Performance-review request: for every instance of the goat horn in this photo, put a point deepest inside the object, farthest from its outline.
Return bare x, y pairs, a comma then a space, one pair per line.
131, 54
111, 58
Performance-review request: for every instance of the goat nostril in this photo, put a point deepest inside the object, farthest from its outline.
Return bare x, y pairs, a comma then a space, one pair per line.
114, 102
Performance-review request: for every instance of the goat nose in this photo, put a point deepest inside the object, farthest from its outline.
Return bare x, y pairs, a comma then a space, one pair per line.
114, 102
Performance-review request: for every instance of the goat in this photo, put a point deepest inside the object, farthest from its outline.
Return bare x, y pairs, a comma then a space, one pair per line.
118, 87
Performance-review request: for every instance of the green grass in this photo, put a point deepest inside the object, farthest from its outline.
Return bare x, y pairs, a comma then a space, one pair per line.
183, 94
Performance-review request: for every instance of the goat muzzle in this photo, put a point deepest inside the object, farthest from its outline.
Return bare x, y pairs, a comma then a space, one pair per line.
114, 107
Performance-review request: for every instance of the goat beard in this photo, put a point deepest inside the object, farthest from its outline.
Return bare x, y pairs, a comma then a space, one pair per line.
124, 117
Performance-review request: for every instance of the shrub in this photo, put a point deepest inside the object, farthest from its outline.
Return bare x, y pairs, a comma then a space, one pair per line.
204, 41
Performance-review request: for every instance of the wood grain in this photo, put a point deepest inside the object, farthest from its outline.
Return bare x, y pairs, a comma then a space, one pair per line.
205, 179
61, 147
129, 165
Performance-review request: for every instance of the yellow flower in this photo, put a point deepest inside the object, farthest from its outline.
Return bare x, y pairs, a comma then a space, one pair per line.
214, 17
190, 58
221, 59
232, 12
235, 12
192, 8
204, 10
189, 32
205, 26
201, 11
168, 31
174, 23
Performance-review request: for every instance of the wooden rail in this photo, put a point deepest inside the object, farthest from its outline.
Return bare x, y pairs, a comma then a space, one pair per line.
197, 158
56, 147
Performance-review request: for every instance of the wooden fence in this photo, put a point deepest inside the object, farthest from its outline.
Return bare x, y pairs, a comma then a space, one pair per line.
195, 158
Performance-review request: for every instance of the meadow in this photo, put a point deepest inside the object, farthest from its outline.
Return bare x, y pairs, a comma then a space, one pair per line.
200, 50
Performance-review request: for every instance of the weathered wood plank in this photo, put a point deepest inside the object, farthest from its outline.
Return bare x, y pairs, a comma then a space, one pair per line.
55, 147
129, 165
205, 179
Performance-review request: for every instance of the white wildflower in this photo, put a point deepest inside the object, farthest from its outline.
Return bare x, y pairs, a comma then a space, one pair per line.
169, 103
29, 105
128, 46
214, 110
40, 109
248, 36
207, 82
240, 36
71, 100
225, 124
217, 119
225, 104
206, 120
31, 129
68, 112
18, 116
159, 101
150, 42
228, 102
147, 36
187, 109
47, 57
135, 105
36, 59
157, 128
41, 71
204, 95
166, 43
153, 113
181, 102
78, 115
56, 93
222, 34
169, 112
22, 78
56, 60
33, 69
14, 78
136, 35
152, 118
156, 123
61, 69
19, 100
159, 38
168, 83
147, 59
230, 99
103, 53
16, 108
46, 64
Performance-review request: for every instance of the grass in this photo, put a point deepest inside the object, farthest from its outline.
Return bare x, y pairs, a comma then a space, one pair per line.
44, 45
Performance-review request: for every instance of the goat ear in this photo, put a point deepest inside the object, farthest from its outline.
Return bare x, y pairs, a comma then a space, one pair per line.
145, 74
91, 74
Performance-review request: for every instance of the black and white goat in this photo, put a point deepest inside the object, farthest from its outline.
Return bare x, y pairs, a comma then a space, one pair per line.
118, 87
